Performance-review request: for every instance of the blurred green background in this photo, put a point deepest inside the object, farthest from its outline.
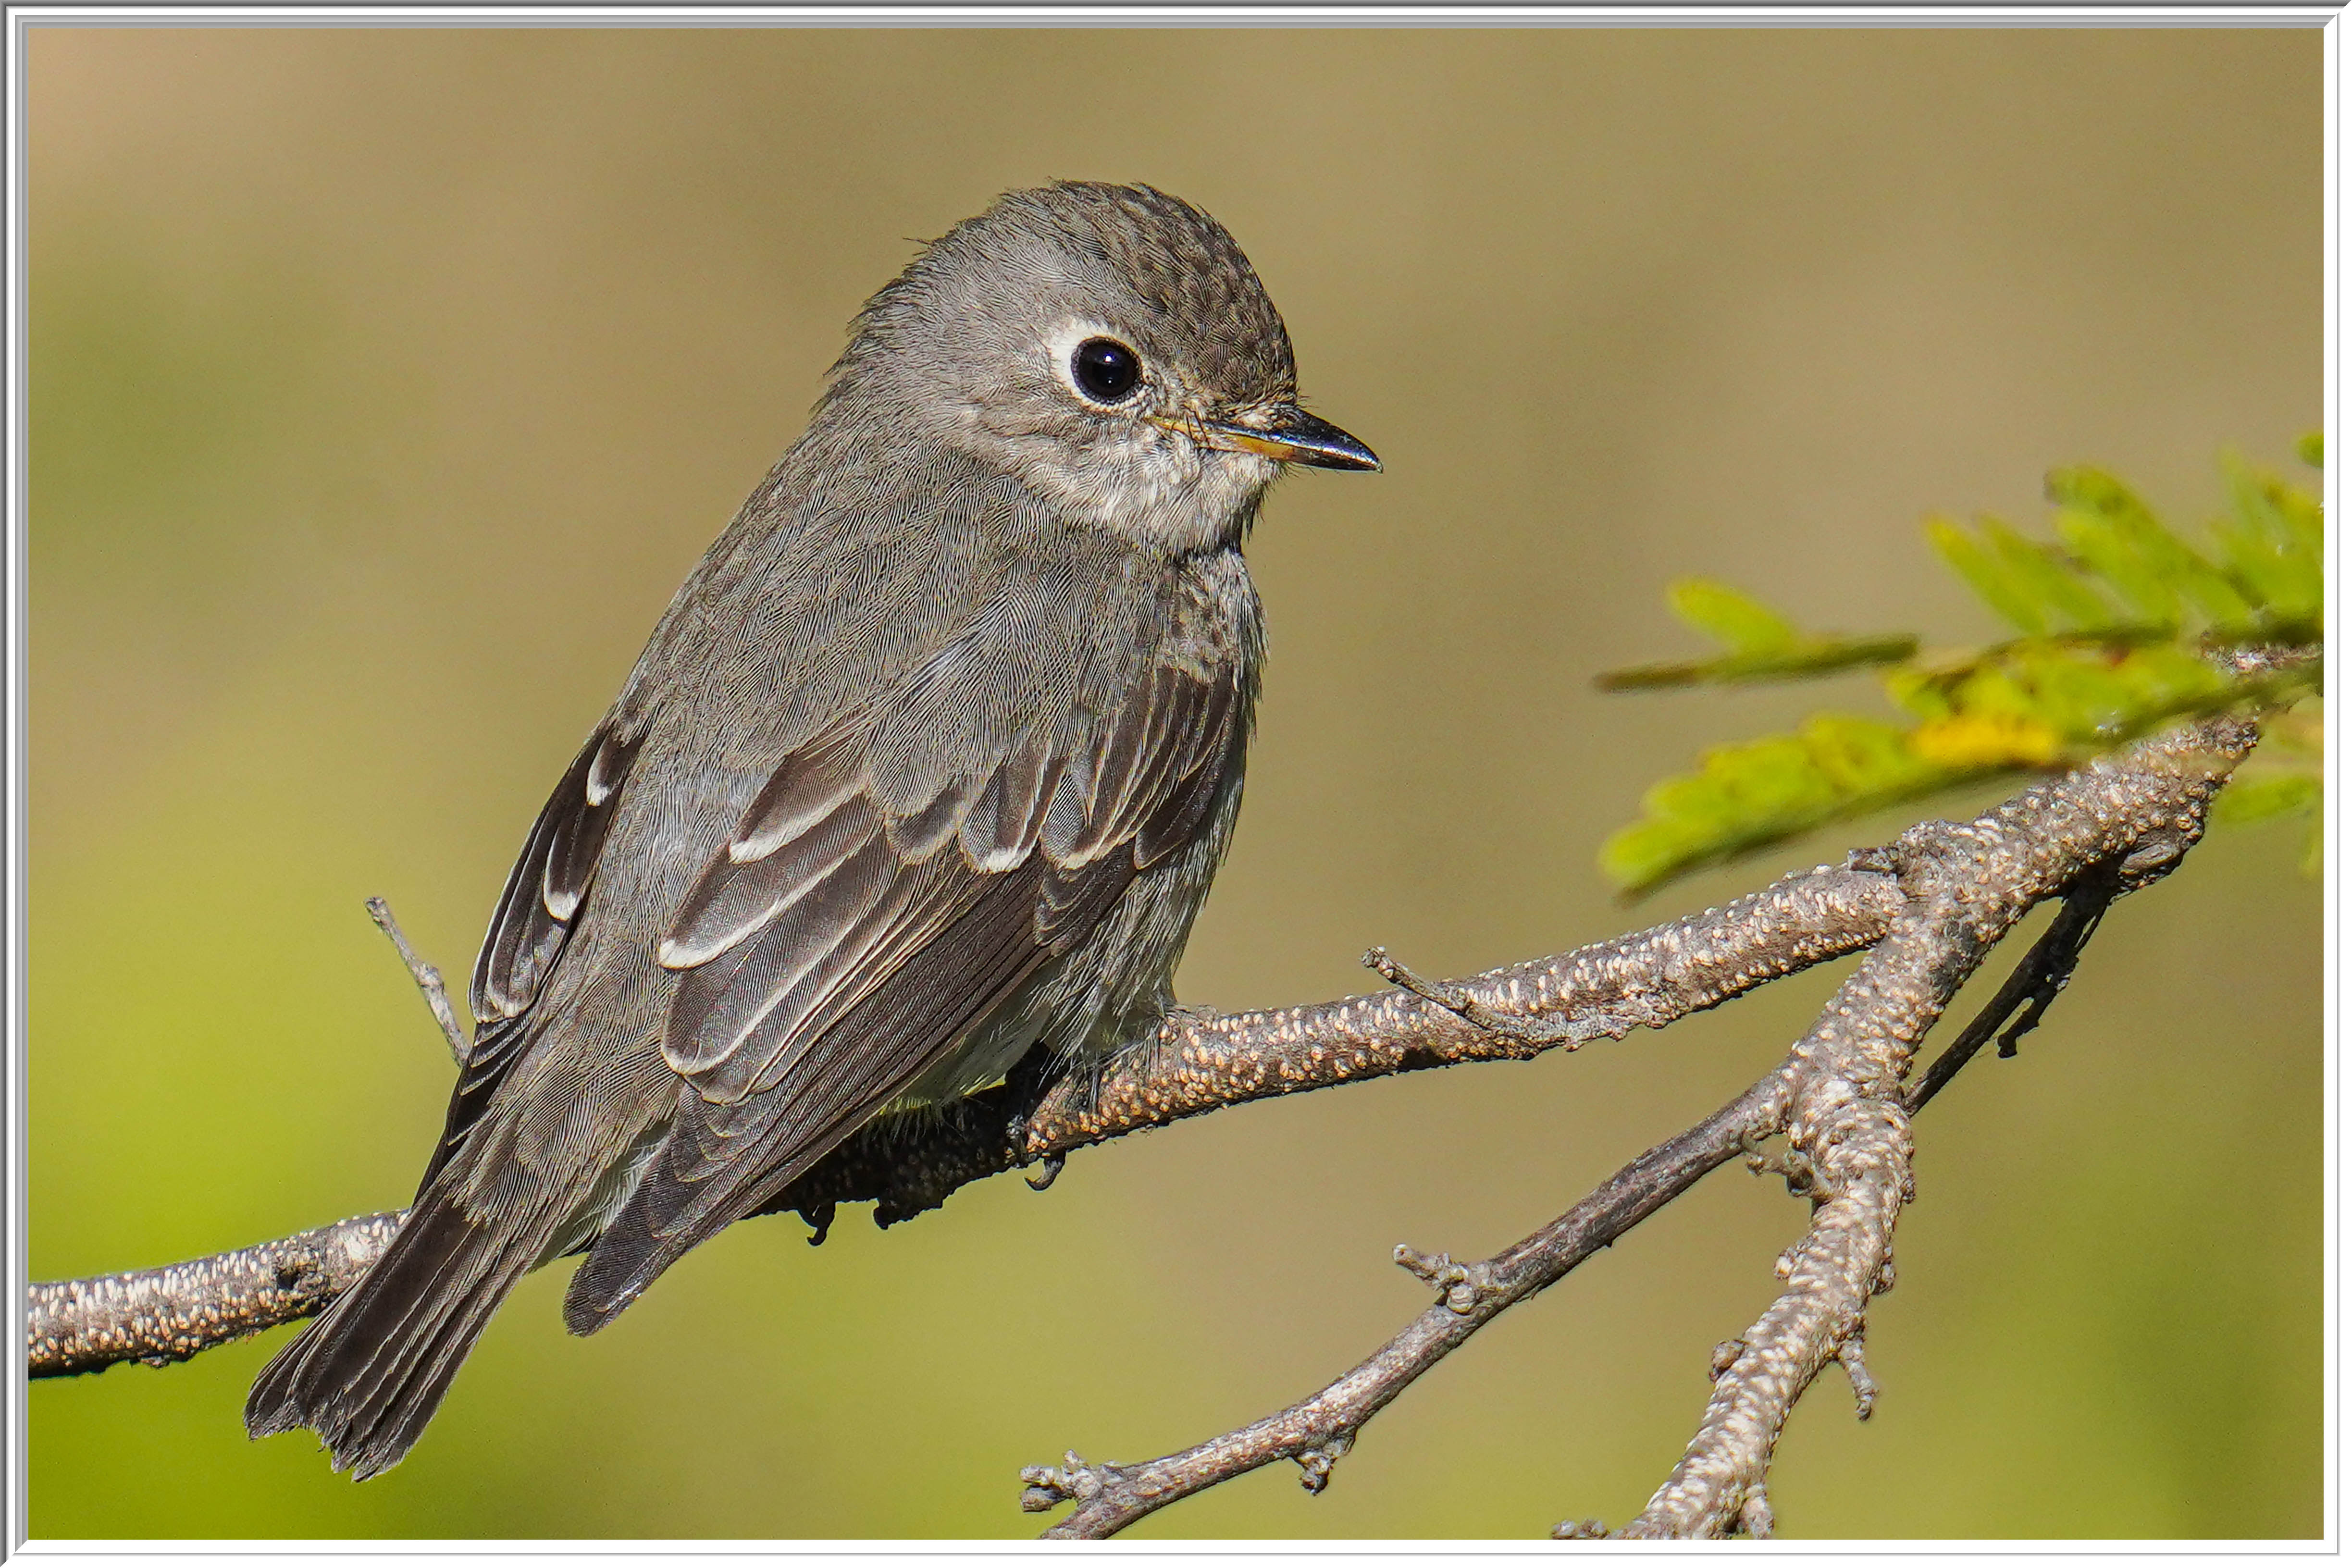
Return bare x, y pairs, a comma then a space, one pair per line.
385, 384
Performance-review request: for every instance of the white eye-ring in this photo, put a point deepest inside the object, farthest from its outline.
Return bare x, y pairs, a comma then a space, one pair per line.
1096, 363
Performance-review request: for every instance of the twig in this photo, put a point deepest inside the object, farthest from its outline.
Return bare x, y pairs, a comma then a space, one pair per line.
1533, 1033
427, 978
1857, 1373
2034, 983
1112, 1497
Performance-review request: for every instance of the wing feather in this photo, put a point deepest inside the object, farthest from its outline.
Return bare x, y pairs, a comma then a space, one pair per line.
806, 1002
535, 915
1000, 827
735, 898
721, 1161
1176, 818
545, 890
813, 783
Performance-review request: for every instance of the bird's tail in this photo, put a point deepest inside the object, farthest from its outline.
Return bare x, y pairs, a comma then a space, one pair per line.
369, 1374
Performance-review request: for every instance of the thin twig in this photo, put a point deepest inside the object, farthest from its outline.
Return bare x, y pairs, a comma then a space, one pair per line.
427, 978
1112, 1497
1535, 1033
2033, 985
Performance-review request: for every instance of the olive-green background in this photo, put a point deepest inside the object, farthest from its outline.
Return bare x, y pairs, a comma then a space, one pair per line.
385, 384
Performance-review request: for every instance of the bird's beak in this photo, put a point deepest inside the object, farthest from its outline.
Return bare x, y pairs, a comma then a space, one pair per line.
1289, 433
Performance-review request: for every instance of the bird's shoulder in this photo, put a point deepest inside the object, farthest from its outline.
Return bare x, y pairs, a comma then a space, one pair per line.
931, 645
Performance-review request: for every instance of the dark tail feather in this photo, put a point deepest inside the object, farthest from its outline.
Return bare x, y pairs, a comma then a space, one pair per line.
634, 1248
370, 1373
667, 1215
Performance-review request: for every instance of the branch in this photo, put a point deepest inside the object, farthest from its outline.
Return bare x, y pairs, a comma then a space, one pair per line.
1605, 991
1930, 908
1319, 1429
909, 1163
2128, 818
1838, 1094
163, 1315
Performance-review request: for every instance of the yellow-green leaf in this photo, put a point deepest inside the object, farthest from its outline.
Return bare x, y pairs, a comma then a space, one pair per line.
1982, 569
1975, 740
1729, 616
2256, 797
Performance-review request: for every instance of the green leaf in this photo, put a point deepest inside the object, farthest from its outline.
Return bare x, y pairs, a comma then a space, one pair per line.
2090, 701
1985, 571
2102, 546
2272, 547
1924, 693
1809, 659
1760, 643
2068, 599
2258, 796
2299, 511
2162, 554
1996, 689
2034, 587
2277, 581
1765, 791
2121, 620
1863, 757
2092, 490
2312, 449
1729, 616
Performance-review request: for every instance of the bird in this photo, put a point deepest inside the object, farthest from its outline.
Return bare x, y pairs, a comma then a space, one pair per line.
929, 763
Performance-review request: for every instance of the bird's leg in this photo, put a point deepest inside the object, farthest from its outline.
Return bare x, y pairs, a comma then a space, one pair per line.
1025, 1088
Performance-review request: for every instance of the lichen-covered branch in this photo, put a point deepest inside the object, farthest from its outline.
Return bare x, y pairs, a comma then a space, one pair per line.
2130, 817
1928, 908
163, 1315
1647, 980
1199, 1063
2124, 819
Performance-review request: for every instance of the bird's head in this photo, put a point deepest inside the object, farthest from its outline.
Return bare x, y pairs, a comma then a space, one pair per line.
1111, 346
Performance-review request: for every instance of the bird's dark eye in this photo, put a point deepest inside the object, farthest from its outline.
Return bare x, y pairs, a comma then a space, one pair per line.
1105, 369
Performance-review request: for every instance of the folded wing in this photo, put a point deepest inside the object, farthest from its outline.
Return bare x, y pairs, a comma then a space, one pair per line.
840, 946
534, 917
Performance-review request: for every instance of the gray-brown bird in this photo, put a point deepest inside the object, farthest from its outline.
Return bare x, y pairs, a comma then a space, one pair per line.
930, 760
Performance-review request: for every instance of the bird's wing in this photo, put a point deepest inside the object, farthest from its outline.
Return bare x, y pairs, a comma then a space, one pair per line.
837, 947
545, 890
535, 916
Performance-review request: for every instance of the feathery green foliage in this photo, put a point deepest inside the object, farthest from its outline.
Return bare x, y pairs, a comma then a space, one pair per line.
2123, 625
